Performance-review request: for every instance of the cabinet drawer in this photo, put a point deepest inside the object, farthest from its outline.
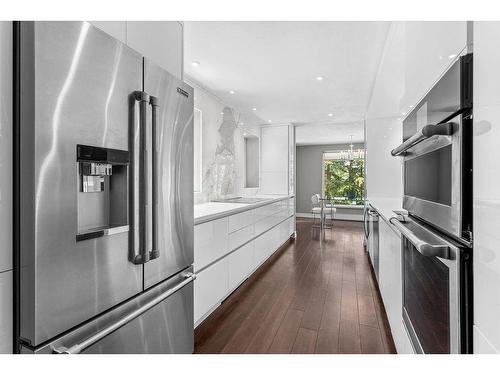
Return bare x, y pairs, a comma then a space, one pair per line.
241, 220
210, 287
264, 224
210, 242
240, 264
241, 236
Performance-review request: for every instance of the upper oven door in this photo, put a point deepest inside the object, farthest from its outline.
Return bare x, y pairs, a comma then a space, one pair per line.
432, 180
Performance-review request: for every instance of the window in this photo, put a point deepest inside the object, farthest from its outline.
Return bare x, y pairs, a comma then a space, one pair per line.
197, 146
343, 176
251, 162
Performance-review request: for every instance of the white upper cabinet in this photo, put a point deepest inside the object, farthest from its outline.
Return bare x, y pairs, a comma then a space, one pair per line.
430, 48
160, 41
485, 189
276, 144
117, 29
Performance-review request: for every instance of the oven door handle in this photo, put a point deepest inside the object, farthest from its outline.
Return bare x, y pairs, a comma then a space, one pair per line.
423, 247
426, 132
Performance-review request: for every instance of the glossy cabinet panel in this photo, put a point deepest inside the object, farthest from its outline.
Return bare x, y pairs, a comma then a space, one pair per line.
486, 181
276, 160
390, 284
241, 220
430, 48
210, 287
117, 29
160, 41
6, 321
240, 264
210, 242
238, 238
5, 146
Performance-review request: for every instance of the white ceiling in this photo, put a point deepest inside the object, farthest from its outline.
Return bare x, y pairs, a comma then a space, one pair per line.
326, 134
273, 66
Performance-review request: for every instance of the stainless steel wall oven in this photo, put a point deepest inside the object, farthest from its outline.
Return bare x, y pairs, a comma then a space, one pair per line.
437, 232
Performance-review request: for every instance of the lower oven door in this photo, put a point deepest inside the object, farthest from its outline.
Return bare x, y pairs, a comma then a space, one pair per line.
436, 291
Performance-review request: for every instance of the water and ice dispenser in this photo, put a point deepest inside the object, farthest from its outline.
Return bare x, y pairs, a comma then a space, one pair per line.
102, 191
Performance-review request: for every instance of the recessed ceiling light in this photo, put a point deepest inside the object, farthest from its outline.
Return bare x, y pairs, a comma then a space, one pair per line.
231, 92
411, 106
222, 113
269, 121
195, 63
254, 109
330, 115
319, 78
452, 56
403, 114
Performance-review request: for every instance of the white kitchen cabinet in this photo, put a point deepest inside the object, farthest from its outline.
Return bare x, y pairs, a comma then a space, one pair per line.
390, 284
486, 207
210, 242
276, 170
5, 147
117, 29
210, 287
240, 264
241, 220
430, 48
238, 238
6, 321
160, 41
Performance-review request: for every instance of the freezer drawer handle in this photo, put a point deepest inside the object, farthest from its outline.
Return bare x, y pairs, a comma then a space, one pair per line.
78, 348
426, 132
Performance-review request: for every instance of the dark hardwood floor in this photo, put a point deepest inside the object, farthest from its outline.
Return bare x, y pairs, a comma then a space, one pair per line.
311, 296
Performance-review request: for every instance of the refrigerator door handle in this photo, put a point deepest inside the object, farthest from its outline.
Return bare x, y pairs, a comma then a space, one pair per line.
153, 101
141, 230
78, 348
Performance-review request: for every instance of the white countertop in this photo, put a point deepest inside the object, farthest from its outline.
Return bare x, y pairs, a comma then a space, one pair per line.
386, 206
204, 212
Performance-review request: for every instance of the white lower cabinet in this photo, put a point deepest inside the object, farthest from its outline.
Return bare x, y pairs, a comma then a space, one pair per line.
390, 285
229, 249
6, 312
240, 265
210, 242
210, 287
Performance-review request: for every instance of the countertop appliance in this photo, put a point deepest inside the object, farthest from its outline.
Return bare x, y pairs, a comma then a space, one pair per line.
437, 152
104, 201
371, 227
437, 233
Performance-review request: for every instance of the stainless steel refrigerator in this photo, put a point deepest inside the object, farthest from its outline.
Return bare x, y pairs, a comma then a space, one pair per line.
104, 205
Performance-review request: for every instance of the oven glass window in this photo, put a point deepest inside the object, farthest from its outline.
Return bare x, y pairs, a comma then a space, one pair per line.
426, 299
428, 176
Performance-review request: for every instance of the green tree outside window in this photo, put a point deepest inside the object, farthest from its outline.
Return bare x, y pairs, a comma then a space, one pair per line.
345, 181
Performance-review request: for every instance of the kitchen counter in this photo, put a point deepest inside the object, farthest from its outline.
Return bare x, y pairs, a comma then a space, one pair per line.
204, 212
386, 206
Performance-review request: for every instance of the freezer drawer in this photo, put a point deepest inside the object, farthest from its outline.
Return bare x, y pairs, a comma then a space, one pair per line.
166, 325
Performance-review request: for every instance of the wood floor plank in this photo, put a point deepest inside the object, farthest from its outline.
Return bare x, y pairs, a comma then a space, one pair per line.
287, 332
305, 342
313, 295
371, 340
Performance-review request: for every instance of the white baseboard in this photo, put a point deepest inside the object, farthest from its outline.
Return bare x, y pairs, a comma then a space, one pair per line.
338, 216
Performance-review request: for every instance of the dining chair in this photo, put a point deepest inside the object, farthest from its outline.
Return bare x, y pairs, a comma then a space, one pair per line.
316, 209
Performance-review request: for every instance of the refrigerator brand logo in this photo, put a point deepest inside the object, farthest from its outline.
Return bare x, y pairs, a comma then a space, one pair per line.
182, 92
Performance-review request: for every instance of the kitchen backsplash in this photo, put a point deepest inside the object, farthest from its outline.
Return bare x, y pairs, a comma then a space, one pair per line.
223, 147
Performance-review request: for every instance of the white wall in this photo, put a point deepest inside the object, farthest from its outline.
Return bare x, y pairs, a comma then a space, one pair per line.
486, 182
